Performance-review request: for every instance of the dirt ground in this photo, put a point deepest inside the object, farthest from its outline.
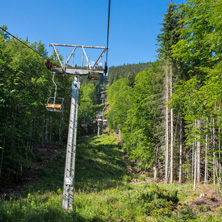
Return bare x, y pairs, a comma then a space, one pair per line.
208, 201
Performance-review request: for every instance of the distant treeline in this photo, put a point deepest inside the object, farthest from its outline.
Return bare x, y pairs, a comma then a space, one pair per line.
128, 71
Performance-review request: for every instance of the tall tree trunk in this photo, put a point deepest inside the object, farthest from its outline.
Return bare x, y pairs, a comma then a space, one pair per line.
3, 150
198, 151
171, 127
214, 154
30, 142
195, 162
50, 129
43, 127
60, 129
214, 168
206, 162
2, 158
166, 127
120, 135
156, 163
219, 156
195, 166
46, 127
181, 150
193, 157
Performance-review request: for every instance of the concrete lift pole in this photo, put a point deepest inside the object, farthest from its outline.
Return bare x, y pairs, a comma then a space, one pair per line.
93, 74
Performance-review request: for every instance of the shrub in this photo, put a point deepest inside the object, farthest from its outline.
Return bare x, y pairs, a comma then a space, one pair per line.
185, 214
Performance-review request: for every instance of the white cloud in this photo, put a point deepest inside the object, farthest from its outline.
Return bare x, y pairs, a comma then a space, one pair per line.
91, 62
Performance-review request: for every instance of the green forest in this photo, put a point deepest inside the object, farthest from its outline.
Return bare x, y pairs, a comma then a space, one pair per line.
159, 159
170, 118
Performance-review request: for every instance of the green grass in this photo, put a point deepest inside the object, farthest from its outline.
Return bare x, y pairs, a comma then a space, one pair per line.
123, 203
99, 162
98, 165
102, 191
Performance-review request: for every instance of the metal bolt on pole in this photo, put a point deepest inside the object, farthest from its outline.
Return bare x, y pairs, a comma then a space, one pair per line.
67, 199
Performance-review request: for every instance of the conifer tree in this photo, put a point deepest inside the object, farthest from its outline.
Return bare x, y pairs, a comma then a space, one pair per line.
167, 39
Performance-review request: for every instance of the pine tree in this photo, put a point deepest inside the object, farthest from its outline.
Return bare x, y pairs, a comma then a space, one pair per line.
167, 39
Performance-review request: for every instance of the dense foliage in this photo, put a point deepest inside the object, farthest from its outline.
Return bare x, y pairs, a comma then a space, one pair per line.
186, 83
23, 94
25, 85
167, 113
135, 114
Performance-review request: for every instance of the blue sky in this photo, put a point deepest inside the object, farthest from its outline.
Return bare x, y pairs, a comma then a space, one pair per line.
134, 25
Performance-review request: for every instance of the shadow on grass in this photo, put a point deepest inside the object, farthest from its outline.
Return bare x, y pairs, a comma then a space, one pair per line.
21, 211
99, 165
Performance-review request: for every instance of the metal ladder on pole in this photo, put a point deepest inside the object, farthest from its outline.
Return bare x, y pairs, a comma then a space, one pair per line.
69, 175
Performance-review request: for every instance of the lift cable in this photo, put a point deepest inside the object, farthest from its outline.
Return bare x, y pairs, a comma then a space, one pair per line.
21, 41
108, 31
107, 44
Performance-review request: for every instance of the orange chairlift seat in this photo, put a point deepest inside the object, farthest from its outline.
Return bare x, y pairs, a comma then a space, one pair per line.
84, 124
100, 122
52, 106
94, 120
104, 123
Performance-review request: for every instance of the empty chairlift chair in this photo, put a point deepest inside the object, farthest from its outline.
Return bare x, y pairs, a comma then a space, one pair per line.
104, 123
52, 104
83, 124
100, 122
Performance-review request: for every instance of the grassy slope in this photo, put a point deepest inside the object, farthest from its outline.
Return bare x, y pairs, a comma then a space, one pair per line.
98, 165
103, 191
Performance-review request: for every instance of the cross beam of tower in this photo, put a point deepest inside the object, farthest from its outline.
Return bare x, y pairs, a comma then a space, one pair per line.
91, 70
93, 73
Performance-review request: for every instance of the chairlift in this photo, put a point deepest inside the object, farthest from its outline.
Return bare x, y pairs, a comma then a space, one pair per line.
94, 120
100, 122
52, 104
83, 124
104, 123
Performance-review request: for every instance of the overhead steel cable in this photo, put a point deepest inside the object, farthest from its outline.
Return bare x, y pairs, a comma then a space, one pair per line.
21, 41
108, 30
107, 43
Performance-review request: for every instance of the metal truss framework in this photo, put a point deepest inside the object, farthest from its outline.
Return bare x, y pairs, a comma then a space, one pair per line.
91, 70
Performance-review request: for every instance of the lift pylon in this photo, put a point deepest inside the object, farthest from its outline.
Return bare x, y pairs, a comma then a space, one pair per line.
93, 73
67, 199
